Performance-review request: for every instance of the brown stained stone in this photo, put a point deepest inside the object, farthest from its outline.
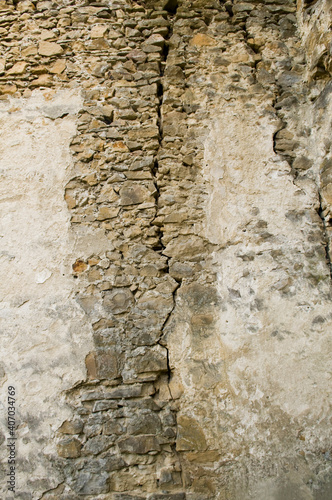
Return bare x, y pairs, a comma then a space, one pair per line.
144, 133
107, 111
93, 261
175, 218
103, 323
55, 493
175, 387
114, 462
200, 298
119, 147
144, 423
71, 427
152, 49
125, 391
119, 392
302, 163
91, 179
25, 6
204, 485
190, 435
69, 448
79, 266
107, 195
49, 49
104, 405
326, 171
139, 445
201, 40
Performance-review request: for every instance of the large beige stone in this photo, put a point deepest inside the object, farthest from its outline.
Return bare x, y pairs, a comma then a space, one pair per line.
99, 31
49, 49
18, 68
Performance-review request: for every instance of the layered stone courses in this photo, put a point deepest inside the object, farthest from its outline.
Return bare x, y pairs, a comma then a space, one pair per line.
147, 423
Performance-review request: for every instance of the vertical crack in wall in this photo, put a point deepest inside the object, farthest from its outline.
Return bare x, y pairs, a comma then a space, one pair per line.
171, 7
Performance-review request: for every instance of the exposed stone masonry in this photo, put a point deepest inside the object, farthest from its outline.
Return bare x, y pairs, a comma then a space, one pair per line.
156, 417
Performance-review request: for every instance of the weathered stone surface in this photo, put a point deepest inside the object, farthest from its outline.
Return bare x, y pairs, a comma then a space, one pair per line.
71, 427
118, 300
139, 444
134, 194
88, 483
144, 423
18, 68
49, 49
69, 448
97, 444
190, 435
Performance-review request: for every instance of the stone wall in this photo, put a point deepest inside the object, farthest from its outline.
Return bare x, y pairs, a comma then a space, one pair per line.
166, 244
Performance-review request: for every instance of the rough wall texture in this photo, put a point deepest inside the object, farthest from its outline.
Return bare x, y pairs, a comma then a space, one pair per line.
166, 245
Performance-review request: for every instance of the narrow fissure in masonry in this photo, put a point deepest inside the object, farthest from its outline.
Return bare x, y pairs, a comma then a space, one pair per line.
171, 7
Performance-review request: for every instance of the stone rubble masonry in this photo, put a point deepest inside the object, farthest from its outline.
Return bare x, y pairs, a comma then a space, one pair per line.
202, 154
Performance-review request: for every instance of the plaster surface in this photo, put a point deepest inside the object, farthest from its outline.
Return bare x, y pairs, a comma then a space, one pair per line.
44, 335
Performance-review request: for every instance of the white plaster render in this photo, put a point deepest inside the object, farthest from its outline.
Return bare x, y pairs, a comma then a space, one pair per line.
264, 370
44, 335
278, 348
